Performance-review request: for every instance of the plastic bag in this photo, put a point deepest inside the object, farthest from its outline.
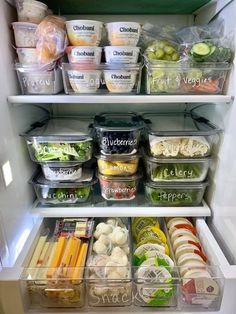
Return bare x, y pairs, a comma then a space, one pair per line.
51, 39
159, 43
206, 43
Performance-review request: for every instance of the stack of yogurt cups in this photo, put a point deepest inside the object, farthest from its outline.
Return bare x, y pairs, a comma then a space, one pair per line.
122, 71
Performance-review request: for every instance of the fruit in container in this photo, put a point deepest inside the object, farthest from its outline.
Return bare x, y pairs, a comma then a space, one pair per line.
162, 50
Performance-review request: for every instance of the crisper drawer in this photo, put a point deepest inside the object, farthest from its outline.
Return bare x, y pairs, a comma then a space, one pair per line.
66, 294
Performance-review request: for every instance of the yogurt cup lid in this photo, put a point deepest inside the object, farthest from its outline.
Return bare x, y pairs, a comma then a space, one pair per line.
123, 22
24, 24
83, 21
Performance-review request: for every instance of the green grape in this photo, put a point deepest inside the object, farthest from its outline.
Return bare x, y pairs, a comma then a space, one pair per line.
175, 56
169, 50
159, 53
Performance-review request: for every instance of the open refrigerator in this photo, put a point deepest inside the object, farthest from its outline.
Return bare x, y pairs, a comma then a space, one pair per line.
22, 219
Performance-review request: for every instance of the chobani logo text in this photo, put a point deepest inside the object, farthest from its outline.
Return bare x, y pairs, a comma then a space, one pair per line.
83, 28
122, 53
128, 30
83, 53
120, 77
78, 77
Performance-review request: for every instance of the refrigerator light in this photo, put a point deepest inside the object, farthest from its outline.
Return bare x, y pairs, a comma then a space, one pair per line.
7, 173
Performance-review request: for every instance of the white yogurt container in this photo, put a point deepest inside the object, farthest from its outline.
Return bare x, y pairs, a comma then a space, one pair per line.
122, 79
24, 34
31, 11
27, 55
84, 54
123, 33
84, 32
121, 54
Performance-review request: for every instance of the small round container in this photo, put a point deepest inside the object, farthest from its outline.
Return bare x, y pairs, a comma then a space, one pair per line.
31, 11
27, 55
118, 165
84, 32
123, 33
121, 54
24, 34
84, 81
122, 78
62, 171
84, 54
119, 188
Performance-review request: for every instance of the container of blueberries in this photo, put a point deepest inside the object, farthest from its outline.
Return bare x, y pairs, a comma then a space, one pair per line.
118, 133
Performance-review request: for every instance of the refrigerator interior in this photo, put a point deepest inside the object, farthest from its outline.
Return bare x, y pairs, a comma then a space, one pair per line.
19, 225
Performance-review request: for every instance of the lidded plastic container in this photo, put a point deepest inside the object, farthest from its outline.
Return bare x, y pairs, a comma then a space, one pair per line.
84, 54
179, 135
123, 33
62, 140
31, 11
27, 55
24, 34
118, 133
55, 193
119, 188
59, 171
118, 165
175, 194
37, 79
176, 170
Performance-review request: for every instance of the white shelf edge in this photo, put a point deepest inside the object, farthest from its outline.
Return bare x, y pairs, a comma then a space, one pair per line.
121, 211
62, 99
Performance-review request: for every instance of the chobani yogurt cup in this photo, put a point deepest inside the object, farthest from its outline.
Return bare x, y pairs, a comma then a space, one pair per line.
84, 32
123, 33
122, 79
31, 11
24, 34
84, 54
27, 55
121, 54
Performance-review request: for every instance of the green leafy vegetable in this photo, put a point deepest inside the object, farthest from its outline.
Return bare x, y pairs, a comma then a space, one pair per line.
177, 171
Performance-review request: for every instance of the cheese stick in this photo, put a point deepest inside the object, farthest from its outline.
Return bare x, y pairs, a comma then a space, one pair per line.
55, 262
76, 250
43, 254
69, 255
80, 263
37, 251
42, 271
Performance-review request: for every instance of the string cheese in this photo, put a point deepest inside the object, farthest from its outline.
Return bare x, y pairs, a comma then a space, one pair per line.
37, 251
57, 256
80, 263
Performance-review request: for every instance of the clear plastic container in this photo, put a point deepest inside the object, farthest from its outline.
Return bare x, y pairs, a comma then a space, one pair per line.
176, 170
62, 171
123, 33
175, 194
27, 55
84, 32
119, 188
179, 135
108, 275
24, 34
68, 193
176, 78
31, 11
36, 79
60, 140
122, 78
121, 54
81, 78
115, 165
84, 54
118, 133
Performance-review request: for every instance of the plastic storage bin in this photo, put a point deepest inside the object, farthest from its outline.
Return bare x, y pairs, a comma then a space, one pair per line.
123, 33
60, 140
176, 170
121, 54
24, 34
119, 188
175, 194
108, 274
31, 11
179, 135
54, 193
62, 171
84, 54
115, 165
118, 133
36, 79
177, 78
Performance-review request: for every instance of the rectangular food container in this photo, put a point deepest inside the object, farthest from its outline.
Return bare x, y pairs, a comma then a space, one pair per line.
36, 79
185, 78
175, 194
108, 275
60, 140
59, 171
118, 133
24, 34
56, 287
104, 78
176, 170
115, 165
56, 193
179, 135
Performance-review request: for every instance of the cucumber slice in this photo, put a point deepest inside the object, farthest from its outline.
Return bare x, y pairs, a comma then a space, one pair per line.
201, 49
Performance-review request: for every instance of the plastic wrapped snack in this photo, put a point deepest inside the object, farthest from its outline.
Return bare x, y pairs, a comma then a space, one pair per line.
51, 39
